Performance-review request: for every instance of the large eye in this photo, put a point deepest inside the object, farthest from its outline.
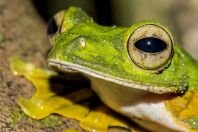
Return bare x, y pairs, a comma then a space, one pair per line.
150, 47
54, 25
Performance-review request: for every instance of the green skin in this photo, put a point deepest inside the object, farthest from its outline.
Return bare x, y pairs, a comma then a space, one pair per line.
85, 46
180, 74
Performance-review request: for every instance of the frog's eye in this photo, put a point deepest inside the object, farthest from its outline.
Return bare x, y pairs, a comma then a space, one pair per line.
54, 25
150, 47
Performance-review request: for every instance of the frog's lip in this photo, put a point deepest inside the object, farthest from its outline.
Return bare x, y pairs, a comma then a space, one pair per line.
70, 67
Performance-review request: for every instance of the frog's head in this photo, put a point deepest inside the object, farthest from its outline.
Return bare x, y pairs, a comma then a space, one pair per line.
143, 56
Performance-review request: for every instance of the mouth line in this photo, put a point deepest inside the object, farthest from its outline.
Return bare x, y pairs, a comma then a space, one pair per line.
70, 67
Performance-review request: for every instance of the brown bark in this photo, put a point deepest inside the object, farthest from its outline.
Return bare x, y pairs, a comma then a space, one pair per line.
22, 33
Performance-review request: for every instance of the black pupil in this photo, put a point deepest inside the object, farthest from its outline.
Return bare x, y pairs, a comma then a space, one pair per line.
52, 27
150, 45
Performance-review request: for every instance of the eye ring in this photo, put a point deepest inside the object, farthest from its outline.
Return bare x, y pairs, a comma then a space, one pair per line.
150, 47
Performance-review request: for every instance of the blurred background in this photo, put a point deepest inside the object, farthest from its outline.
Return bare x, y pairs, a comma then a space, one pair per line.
180, 16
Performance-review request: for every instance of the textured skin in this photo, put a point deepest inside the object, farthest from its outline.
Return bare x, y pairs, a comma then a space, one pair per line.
101, 53
103, 49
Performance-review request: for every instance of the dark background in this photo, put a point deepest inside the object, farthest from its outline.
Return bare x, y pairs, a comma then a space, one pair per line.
100, 10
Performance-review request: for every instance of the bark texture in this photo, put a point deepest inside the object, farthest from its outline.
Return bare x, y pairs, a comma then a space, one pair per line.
22, 33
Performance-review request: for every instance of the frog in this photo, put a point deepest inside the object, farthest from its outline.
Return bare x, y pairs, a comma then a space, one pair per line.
137, 71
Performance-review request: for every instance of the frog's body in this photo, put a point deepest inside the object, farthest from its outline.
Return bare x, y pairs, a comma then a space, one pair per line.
139, 105
138, 84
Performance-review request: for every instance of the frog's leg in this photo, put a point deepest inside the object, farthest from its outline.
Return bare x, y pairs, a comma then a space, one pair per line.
80, 104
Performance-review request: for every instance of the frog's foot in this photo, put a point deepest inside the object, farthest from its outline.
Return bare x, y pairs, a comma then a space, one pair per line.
185, 108
80, 104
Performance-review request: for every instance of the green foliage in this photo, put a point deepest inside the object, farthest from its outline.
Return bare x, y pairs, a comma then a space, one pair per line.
51, 121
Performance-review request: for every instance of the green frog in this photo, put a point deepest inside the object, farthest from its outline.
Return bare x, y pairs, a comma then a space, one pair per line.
138, 71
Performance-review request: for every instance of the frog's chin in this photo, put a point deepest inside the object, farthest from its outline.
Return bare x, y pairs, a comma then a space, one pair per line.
71, 67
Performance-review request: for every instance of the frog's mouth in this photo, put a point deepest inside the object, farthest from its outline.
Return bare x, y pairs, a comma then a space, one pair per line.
70, 67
